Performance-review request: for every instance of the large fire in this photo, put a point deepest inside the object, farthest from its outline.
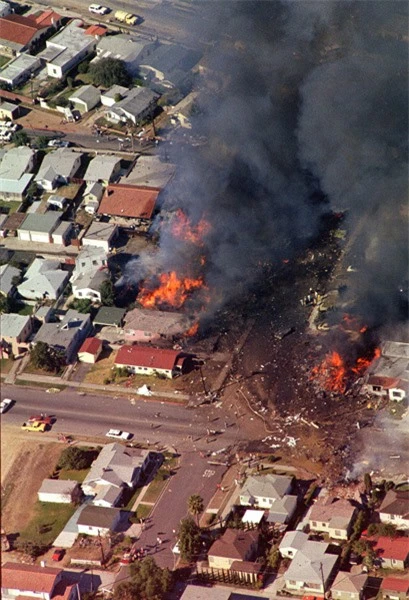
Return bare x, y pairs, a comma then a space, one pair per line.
172, 290
333, 374
183, 229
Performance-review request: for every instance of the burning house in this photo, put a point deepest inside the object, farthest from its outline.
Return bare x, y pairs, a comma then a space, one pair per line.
145, 325
388, 375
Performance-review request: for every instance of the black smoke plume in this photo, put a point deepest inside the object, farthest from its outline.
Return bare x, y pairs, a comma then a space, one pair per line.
296, 98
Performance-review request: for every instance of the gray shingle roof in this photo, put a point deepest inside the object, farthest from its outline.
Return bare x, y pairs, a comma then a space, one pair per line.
87, 93
136, 102
15, 162
11, 325
57, 486
98, 516
45, 223
7, 272
266, 486
101, 168
109, 315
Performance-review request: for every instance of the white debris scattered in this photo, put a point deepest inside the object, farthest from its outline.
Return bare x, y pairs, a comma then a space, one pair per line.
144, 391
273, 446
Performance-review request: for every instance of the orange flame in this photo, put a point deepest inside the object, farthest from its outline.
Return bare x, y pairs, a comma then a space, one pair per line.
192, 330
331, 373
172, 291
183, 229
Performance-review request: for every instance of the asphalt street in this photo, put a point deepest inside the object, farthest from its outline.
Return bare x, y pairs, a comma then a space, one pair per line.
92, 416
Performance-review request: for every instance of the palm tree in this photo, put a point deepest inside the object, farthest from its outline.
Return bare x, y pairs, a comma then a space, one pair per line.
195, 506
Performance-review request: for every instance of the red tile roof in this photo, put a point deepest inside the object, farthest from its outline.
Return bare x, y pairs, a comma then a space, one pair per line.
96, 30
18, 29
129, 201
28, 578
92, 345
384, 382
397, 548
146, 356
45, 18
395, 584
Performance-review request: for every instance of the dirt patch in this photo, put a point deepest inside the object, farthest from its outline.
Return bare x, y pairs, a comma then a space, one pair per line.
25, 463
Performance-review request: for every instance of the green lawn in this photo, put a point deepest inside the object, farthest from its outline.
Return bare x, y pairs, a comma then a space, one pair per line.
143, 511
76, 475
12, 206
48, 521
25, 309
4, 59
5, 365
154, 490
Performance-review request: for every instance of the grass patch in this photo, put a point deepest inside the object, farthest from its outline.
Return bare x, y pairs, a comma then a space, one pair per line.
31, 369
12, 206
48, 521
4, 60
143, 511
73, 474
154, 490
25, 309
40, 384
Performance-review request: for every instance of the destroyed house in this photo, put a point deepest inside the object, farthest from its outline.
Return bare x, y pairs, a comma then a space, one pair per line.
388, 375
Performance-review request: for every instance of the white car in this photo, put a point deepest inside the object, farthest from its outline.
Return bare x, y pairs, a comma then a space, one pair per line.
5, 404
98, 9
117, 434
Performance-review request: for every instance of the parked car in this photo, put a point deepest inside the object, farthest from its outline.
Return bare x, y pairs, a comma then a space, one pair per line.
117, 434
41, 419
98, 9
5, 404
58, 554
58, 144
36, 426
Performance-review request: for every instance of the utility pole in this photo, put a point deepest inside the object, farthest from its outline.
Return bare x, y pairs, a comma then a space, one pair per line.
101, 548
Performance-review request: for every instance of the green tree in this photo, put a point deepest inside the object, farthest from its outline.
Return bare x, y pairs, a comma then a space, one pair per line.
20, 138
109, 71
32, 548
273, 558
76, 458
195, 506
189, 539
148, 582
107, 293
5, 304
41, 141
32, 189
384, 529
367, 483
45, 357
82, 305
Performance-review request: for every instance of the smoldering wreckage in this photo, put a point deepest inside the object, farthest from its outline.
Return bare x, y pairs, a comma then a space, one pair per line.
287, 229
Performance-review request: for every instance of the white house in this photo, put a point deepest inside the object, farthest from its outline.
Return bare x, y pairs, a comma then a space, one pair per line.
146, 360
87, 285
39, 227
114, 94
103, 168
138, 104
66, 49
98, 520
395, 509
388, 375
90, 258
58, 490
90, 350
85, 98
33, 581
91, 198
101, 235
264, 490
58, 167
311, 569
18, 70
62, 234
331, 516
43, 279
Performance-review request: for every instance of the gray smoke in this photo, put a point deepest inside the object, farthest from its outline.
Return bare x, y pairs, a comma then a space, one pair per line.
297, 97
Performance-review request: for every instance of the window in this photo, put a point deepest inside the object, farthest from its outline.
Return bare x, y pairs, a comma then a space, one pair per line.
338, 533
313, 523
313, 586
393, 517
290, 553
94, 262
376, 388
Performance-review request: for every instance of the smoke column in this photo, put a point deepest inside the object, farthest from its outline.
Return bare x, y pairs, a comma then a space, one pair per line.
296, 97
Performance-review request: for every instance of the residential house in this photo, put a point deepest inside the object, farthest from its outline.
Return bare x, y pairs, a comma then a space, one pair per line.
56, 201
169, 66
18, 70
8, 110
144, 360
58, 167
131, 49
44, 314
85, 98
87, 285
115, 469
90, 258
15, 332
114, 94
5, 8
101, 235
47, 18
91, 198
332, 516
62, 234
388, 375
67, 335
14, 190
19, 34
16, 162
393, 553
201, 592
264, 490
144, 325
149, 171
67, 49
90, 350
110, 316
44, 279
311, 570
292, 542
182, 111
132, 205
138, 105
349, 586
393, 588
60, 491
282, 510
13, 223
8, 276
96, 30
98, 520
395, 509
33, 581
39, 227
103, 168
233, 546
